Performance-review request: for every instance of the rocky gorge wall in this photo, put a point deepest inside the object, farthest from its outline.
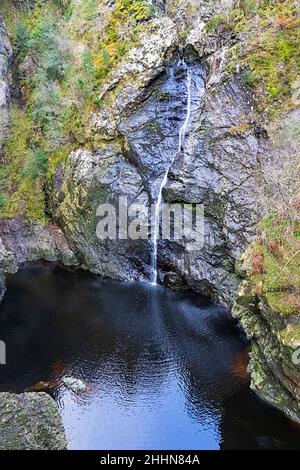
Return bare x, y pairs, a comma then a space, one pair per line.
122, 143
29, 420
219, 166
133, 138
274, 357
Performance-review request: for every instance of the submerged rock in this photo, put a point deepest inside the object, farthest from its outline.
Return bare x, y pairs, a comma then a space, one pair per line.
40, 387
30, 421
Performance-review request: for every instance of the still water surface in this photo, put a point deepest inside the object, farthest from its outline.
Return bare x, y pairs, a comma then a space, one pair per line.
163, 369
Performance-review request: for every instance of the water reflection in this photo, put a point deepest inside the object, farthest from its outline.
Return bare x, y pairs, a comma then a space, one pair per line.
164, 370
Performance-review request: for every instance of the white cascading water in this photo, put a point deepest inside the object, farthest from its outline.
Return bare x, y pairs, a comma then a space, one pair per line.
182, 134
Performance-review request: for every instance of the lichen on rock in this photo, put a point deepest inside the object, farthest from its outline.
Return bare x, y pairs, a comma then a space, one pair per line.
30, 421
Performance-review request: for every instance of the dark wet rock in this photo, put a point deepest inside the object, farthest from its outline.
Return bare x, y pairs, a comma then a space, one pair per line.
40, 387
221, 169
92, 179
218, 167
30, 421
22, 241
8, 265
29, 241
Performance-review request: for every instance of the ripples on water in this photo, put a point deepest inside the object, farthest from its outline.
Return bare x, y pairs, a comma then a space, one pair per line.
165, 370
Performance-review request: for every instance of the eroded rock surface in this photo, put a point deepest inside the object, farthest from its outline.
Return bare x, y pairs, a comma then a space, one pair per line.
91, 179
267, 303
22, 241
274, 359
8, 265
29, 241
30, 421
218, 166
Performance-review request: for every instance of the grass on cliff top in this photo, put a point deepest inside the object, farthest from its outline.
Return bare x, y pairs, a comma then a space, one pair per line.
273, 261
64, 51
269, 53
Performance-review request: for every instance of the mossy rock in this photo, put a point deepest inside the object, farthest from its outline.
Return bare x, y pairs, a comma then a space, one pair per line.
30, 421
269, 388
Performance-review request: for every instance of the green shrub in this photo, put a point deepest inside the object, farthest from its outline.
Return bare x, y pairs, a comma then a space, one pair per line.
3, 199
59, 87
21, 41
138, 9
272, 56
249, 6
36, 164
215, 22
50, 46
274, 263
249, 77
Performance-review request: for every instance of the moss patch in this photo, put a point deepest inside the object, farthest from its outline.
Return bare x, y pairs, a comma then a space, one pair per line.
270, 56
273, 263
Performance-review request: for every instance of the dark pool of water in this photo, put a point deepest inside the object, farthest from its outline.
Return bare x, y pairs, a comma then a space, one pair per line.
164, 370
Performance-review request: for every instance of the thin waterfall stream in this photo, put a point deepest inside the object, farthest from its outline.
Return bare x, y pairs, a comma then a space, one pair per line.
181, 141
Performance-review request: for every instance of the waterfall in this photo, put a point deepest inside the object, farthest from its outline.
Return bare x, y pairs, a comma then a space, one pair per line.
182, 134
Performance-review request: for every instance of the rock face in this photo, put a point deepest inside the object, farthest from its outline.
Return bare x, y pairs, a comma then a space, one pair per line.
267, 303
138, 131
30, 421
275, 356
8, 265
5, 68
220, 169
136, 135
93, 178
30, 241
22, 241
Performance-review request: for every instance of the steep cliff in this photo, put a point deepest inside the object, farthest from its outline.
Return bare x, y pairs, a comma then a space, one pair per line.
131, 139
268, 301
107, 124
